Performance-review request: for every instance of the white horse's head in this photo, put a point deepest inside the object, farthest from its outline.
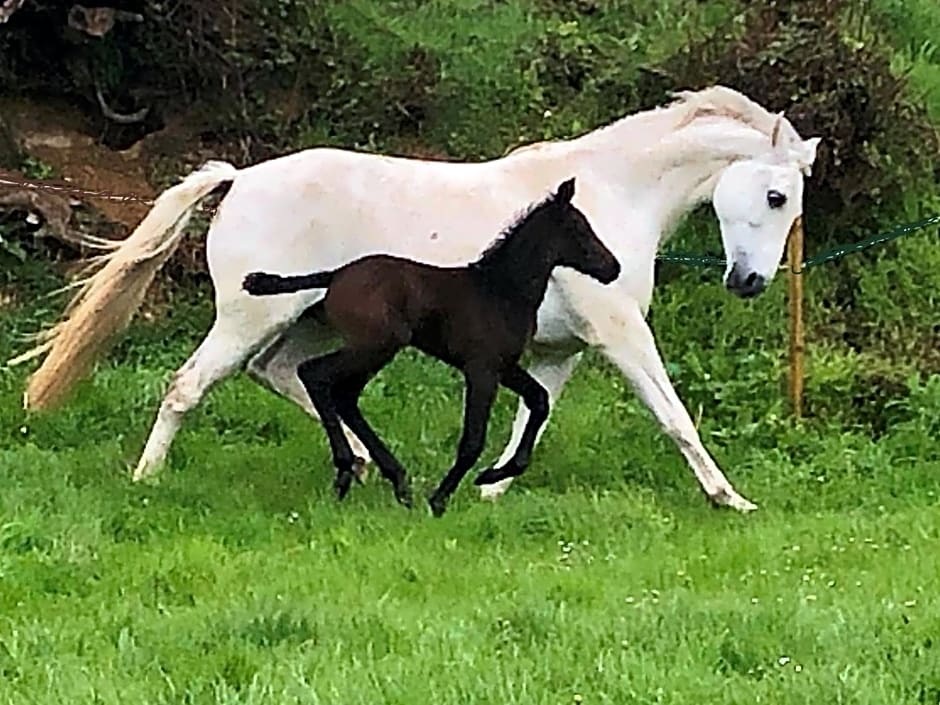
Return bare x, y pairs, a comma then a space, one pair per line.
756, 201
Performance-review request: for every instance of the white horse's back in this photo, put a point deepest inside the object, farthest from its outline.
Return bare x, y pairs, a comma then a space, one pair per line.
320, 208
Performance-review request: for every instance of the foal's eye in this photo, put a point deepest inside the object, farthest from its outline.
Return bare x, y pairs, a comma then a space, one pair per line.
775, 199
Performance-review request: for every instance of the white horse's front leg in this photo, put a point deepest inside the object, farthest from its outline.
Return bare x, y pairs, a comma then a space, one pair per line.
551, 371
628, 342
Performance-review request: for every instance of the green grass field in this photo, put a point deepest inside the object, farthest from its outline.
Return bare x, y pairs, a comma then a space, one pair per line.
602, 577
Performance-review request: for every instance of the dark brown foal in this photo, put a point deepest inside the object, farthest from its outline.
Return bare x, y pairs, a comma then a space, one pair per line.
477, 318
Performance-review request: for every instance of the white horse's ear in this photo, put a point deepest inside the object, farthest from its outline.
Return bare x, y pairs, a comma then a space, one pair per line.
809, 149
775, 135
807, 155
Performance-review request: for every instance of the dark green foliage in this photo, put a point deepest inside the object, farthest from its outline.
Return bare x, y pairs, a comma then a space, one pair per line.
833, 77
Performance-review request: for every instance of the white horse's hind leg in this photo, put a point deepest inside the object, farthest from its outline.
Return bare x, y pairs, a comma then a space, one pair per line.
275, 368
627, 341
222, 352
551, 371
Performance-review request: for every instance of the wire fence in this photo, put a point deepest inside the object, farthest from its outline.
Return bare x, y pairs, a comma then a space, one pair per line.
692, 260
65, 189
835, 253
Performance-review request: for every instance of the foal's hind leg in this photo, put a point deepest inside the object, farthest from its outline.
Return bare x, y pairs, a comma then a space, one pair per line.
330, 381
275, 368
536, 399
481, 391
346, 397
317, 376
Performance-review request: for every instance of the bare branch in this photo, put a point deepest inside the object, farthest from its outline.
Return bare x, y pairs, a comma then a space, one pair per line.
55, 210
117, 117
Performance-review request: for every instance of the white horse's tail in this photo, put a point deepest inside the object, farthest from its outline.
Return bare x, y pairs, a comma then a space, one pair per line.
107, 300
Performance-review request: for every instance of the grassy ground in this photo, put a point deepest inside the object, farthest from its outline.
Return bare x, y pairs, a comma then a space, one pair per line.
601, 578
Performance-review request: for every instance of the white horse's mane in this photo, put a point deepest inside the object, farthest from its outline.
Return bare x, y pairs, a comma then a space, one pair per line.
688, 106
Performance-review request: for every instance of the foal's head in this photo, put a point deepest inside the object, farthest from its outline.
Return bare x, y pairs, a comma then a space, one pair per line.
573, 241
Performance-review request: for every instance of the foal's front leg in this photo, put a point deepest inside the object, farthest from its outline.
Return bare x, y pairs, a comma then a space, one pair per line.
552, 372
536, 399
480, 392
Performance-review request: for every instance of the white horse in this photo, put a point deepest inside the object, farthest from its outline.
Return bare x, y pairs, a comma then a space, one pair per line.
320, 208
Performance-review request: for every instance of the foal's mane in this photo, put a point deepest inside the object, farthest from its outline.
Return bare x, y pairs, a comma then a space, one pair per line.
495, 248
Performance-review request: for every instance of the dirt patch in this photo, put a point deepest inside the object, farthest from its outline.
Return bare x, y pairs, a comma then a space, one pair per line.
57, 134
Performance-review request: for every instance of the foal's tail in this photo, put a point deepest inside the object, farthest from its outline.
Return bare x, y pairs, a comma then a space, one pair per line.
264, 284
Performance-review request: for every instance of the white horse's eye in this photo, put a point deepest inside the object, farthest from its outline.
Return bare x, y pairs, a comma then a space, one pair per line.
775, 199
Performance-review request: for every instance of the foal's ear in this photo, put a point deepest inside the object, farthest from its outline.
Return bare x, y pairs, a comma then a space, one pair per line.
565, 191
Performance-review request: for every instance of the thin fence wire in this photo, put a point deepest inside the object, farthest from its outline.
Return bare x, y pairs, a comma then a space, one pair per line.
692, 260
835, 253
5, 180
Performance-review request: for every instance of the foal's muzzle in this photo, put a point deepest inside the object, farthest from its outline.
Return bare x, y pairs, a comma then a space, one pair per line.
608, 272
744, 284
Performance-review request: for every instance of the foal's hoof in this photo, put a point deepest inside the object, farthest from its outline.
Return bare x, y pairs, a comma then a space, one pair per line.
494, 475
404, 497
342, 484
438, 505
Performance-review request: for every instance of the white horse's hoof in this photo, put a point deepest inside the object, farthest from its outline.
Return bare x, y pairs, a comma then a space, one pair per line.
360, 469
144, 471
727, 497
496, 490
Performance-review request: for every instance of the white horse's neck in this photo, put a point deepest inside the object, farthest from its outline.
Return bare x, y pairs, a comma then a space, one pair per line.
660, 166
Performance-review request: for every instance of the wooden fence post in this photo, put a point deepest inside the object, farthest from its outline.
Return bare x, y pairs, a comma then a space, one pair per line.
795, 301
